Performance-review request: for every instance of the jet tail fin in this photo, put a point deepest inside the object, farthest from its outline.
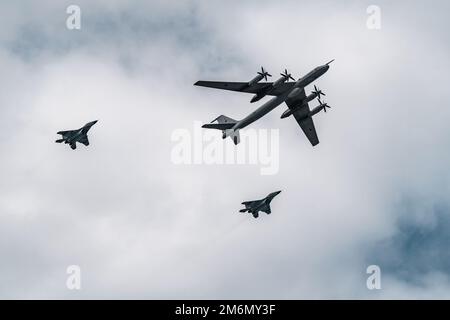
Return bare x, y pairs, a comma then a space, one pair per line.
225, 124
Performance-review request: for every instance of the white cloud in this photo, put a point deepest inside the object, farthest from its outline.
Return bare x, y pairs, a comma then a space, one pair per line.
140, 226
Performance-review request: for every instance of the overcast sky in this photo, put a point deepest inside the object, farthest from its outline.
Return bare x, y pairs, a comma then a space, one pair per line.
375, 191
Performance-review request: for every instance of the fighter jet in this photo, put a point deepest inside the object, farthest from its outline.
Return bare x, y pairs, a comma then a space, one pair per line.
254, 207
71, 137
292, 93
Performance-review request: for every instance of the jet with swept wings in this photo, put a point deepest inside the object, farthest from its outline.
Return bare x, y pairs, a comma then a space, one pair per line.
71, 137
254, 207
291, 92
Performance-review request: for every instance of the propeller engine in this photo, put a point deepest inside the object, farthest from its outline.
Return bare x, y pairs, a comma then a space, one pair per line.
287, 75
324, 105
264, 74
318, 92
284, 77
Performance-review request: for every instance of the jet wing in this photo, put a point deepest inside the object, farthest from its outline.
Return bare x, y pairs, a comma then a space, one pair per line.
244, 87
84, 140
266, 209
305, 122
249, 204
307, 125
64, 133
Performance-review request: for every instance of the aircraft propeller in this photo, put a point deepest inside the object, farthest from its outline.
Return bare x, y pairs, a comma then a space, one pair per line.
287, 75
324, 105
264, 73
318, 92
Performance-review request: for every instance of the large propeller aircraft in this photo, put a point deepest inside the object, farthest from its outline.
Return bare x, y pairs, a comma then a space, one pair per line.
282, 90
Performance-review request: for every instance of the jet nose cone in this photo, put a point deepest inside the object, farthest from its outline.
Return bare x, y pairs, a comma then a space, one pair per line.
274, 194
325, 68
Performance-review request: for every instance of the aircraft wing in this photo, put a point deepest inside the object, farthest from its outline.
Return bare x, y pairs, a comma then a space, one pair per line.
307, 125
244, 87
266, 209
249, 204
84, 140
305, 122
64, 133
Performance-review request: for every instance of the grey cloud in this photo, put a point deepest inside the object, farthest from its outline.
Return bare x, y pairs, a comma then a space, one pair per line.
419, 246
142, 227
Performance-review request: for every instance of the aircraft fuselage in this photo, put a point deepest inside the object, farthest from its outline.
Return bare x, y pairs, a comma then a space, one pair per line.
75, 136
276, 101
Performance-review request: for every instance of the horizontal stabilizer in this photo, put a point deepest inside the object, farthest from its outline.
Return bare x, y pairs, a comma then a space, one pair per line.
219, 126
59, 141
225, 124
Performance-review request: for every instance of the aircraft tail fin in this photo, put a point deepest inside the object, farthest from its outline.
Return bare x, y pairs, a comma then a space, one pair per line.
225, 124
233, 134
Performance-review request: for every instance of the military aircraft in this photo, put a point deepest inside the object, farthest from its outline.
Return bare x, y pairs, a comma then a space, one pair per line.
254, 207
292, 93
71, 137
